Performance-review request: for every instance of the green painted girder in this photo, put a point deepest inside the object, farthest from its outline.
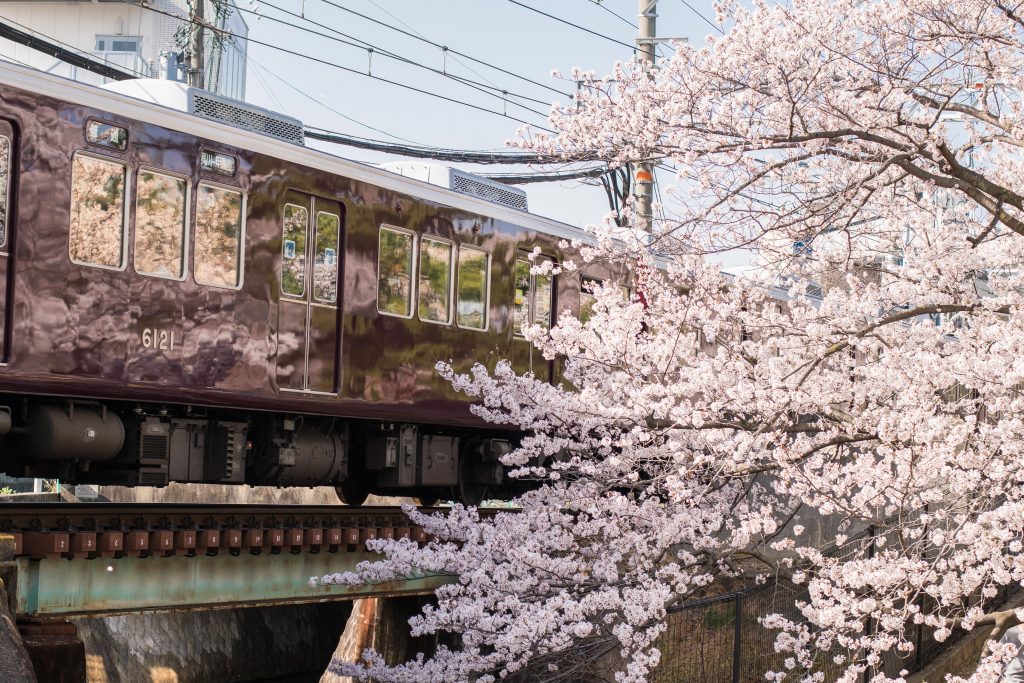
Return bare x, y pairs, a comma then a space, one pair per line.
112, 586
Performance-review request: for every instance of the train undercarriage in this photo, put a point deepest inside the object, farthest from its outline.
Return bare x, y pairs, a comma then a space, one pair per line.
148, 445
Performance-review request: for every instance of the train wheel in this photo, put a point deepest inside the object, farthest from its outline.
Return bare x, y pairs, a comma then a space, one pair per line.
353, 491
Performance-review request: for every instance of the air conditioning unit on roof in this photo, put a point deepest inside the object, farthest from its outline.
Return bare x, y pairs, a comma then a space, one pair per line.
460, 181
211, 106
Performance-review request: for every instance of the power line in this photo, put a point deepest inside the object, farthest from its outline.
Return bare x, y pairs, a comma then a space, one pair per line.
365, 45
405, 86
446, 48
569, 23
326, 106
612, 12
706, 20
416, 151
456, 59
524, 178
425, 152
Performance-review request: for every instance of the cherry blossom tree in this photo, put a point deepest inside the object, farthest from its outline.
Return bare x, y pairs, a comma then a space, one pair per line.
867, 374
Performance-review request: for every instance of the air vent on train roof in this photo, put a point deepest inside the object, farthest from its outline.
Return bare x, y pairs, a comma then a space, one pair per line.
463, 182
211, 106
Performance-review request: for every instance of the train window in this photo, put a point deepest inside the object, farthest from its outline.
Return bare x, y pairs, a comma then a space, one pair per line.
473, 280
325, 262
435, 290
293, 250
542, 300
218, 236
96, 234
394, 272
5, 175
521, 314
587, 300
533, 297
106, 135
160, 224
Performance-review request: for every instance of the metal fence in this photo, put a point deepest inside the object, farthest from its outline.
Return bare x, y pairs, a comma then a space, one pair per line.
719, 639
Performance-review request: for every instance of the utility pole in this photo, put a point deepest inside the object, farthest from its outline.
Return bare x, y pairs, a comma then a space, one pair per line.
195, 45
645, 52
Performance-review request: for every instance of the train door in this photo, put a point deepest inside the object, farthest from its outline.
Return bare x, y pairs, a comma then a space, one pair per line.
534, 305
308, 332
7, 157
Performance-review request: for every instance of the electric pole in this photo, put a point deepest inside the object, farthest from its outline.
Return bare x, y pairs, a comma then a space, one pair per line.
645, 46
195, 45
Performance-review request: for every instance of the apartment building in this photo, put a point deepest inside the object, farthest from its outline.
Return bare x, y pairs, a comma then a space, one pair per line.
141, 38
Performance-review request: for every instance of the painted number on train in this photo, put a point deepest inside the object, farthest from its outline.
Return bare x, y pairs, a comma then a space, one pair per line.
156, 338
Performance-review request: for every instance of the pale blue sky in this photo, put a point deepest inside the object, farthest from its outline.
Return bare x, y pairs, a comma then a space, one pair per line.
495, 31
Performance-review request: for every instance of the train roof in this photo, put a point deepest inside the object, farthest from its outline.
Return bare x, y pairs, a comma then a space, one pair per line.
33, 80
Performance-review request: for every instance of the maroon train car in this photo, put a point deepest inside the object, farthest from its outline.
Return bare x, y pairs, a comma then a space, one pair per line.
198, 297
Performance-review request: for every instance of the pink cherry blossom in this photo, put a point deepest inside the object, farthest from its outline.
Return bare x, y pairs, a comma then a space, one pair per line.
867, 374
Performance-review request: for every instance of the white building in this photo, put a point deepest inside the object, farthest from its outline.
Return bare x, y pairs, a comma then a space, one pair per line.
125, 35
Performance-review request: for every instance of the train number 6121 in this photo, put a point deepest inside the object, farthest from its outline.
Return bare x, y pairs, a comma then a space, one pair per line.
155, 338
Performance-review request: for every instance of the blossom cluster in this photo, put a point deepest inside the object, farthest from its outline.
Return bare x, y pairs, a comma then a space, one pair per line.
869, 373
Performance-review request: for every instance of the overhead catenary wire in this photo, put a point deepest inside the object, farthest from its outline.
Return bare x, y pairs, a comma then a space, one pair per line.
446, 48
706, 20
612, 12
399, 84
88, 63
358, 43
445, 52
321, 103
574, 25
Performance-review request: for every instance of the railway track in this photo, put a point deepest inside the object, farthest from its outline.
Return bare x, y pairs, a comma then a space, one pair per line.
113, 530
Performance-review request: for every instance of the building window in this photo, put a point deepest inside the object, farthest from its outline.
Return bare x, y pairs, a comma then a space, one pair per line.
218, 236
160, 225
474, 271
96, 235
435, 291
325, 262
394, 272
293, 250
130, 44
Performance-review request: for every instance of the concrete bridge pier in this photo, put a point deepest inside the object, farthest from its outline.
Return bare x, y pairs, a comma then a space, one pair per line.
381, 624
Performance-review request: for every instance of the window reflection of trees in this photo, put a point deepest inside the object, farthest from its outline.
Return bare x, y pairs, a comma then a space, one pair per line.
472, 311
542, 300
533, 297
325, 265
435, 280
5, 170
160, 225
97, 211
394, 272
218, 236
588, 285
521, 314
293, 250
